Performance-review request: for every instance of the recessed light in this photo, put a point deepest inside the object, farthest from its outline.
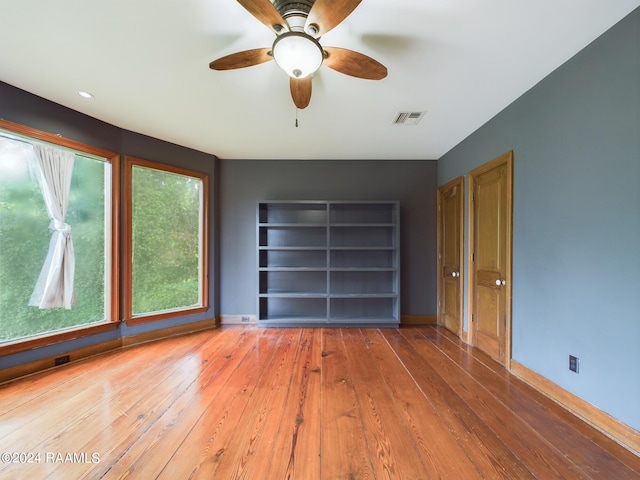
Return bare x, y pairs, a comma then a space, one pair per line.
85, 94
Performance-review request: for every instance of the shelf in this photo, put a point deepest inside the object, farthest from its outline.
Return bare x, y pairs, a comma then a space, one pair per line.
363, 213
355, 248
360, 319
363, 282
363, 295
292, 213
364, 308
292, 307
289, 294
283, 320
291, 269
293, 282
362, 269
375, 236
291, 225
292, 236
328, 262
289, 258
292, 249
362, 258
363, 225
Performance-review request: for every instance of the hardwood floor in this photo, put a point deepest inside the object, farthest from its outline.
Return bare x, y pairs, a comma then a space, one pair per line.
302, 404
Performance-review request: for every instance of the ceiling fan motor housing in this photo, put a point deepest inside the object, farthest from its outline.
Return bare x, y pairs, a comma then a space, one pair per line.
293, 7
295, 13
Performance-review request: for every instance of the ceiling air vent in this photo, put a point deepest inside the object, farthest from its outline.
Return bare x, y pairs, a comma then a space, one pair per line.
407, 118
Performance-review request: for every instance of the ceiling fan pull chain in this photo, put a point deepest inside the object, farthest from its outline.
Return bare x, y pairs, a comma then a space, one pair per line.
296, 117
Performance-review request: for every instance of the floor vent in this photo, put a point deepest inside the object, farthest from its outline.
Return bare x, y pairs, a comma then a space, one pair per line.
407, 118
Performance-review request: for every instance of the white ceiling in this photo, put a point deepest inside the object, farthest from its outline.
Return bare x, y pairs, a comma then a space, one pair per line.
147, 64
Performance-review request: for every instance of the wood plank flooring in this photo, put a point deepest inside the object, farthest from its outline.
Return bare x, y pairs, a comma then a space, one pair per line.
301, 404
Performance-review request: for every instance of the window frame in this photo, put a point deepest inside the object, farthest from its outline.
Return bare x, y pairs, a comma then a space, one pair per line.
112, 322
129, 317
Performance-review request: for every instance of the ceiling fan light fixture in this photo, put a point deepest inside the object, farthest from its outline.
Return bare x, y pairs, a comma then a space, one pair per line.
298, 54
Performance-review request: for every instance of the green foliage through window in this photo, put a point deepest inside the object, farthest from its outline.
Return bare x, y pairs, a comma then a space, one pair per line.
25, 236
166, 211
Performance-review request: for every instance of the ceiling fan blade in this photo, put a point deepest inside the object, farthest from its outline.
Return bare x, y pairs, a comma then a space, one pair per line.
246, 58
354, 64
300, 91
326, 14
265, 12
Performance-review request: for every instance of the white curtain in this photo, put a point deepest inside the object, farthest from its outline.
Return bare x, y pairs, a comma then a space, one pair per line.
55, 284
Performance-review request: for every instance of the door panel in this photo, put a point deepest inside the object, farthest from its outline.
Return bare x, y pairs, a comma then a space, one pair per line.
488, 317
490, 248
450, 243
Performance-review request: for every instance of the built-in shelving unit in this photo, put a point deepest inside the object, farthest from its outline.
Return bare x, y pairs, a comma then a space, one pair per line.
328, 263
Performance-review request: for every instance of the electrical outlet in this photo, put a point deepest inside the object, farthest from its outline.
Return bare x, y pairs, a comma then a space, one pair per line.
61, 360
574, 364
245, 319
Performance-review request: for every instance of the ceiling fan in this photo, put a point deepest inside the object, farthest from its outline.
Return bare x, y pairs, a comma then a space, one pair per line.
298, 25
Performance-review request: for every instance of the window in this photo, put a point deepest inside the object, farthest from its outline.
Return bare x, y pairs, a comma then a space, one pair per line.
74, 230
166, 261
29, 231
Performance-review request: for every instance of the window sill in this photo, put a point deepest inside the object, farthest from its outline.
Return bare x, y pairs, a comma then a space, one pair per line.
30, 343
157, 316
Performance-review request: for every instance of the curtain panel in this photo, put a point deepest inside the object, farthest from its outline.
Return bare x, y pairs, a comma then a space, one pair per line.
54, 289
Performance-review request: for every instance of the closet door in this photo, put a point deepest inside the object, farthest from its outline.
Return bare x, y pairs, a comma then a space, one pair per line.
450, 253
490, 244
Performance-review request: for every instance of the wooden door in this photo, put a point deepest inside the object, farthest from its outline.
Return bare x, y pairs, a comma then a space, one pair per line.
450, 253
490, 257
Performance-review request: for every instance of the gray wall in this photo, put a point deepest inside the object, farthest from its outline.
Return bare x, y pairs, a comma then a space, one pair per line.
243, 183
576, 237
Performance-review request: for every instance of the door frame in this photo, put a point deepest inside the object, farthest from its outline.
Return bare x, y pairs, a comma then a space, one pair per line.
456, 182
506, 159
